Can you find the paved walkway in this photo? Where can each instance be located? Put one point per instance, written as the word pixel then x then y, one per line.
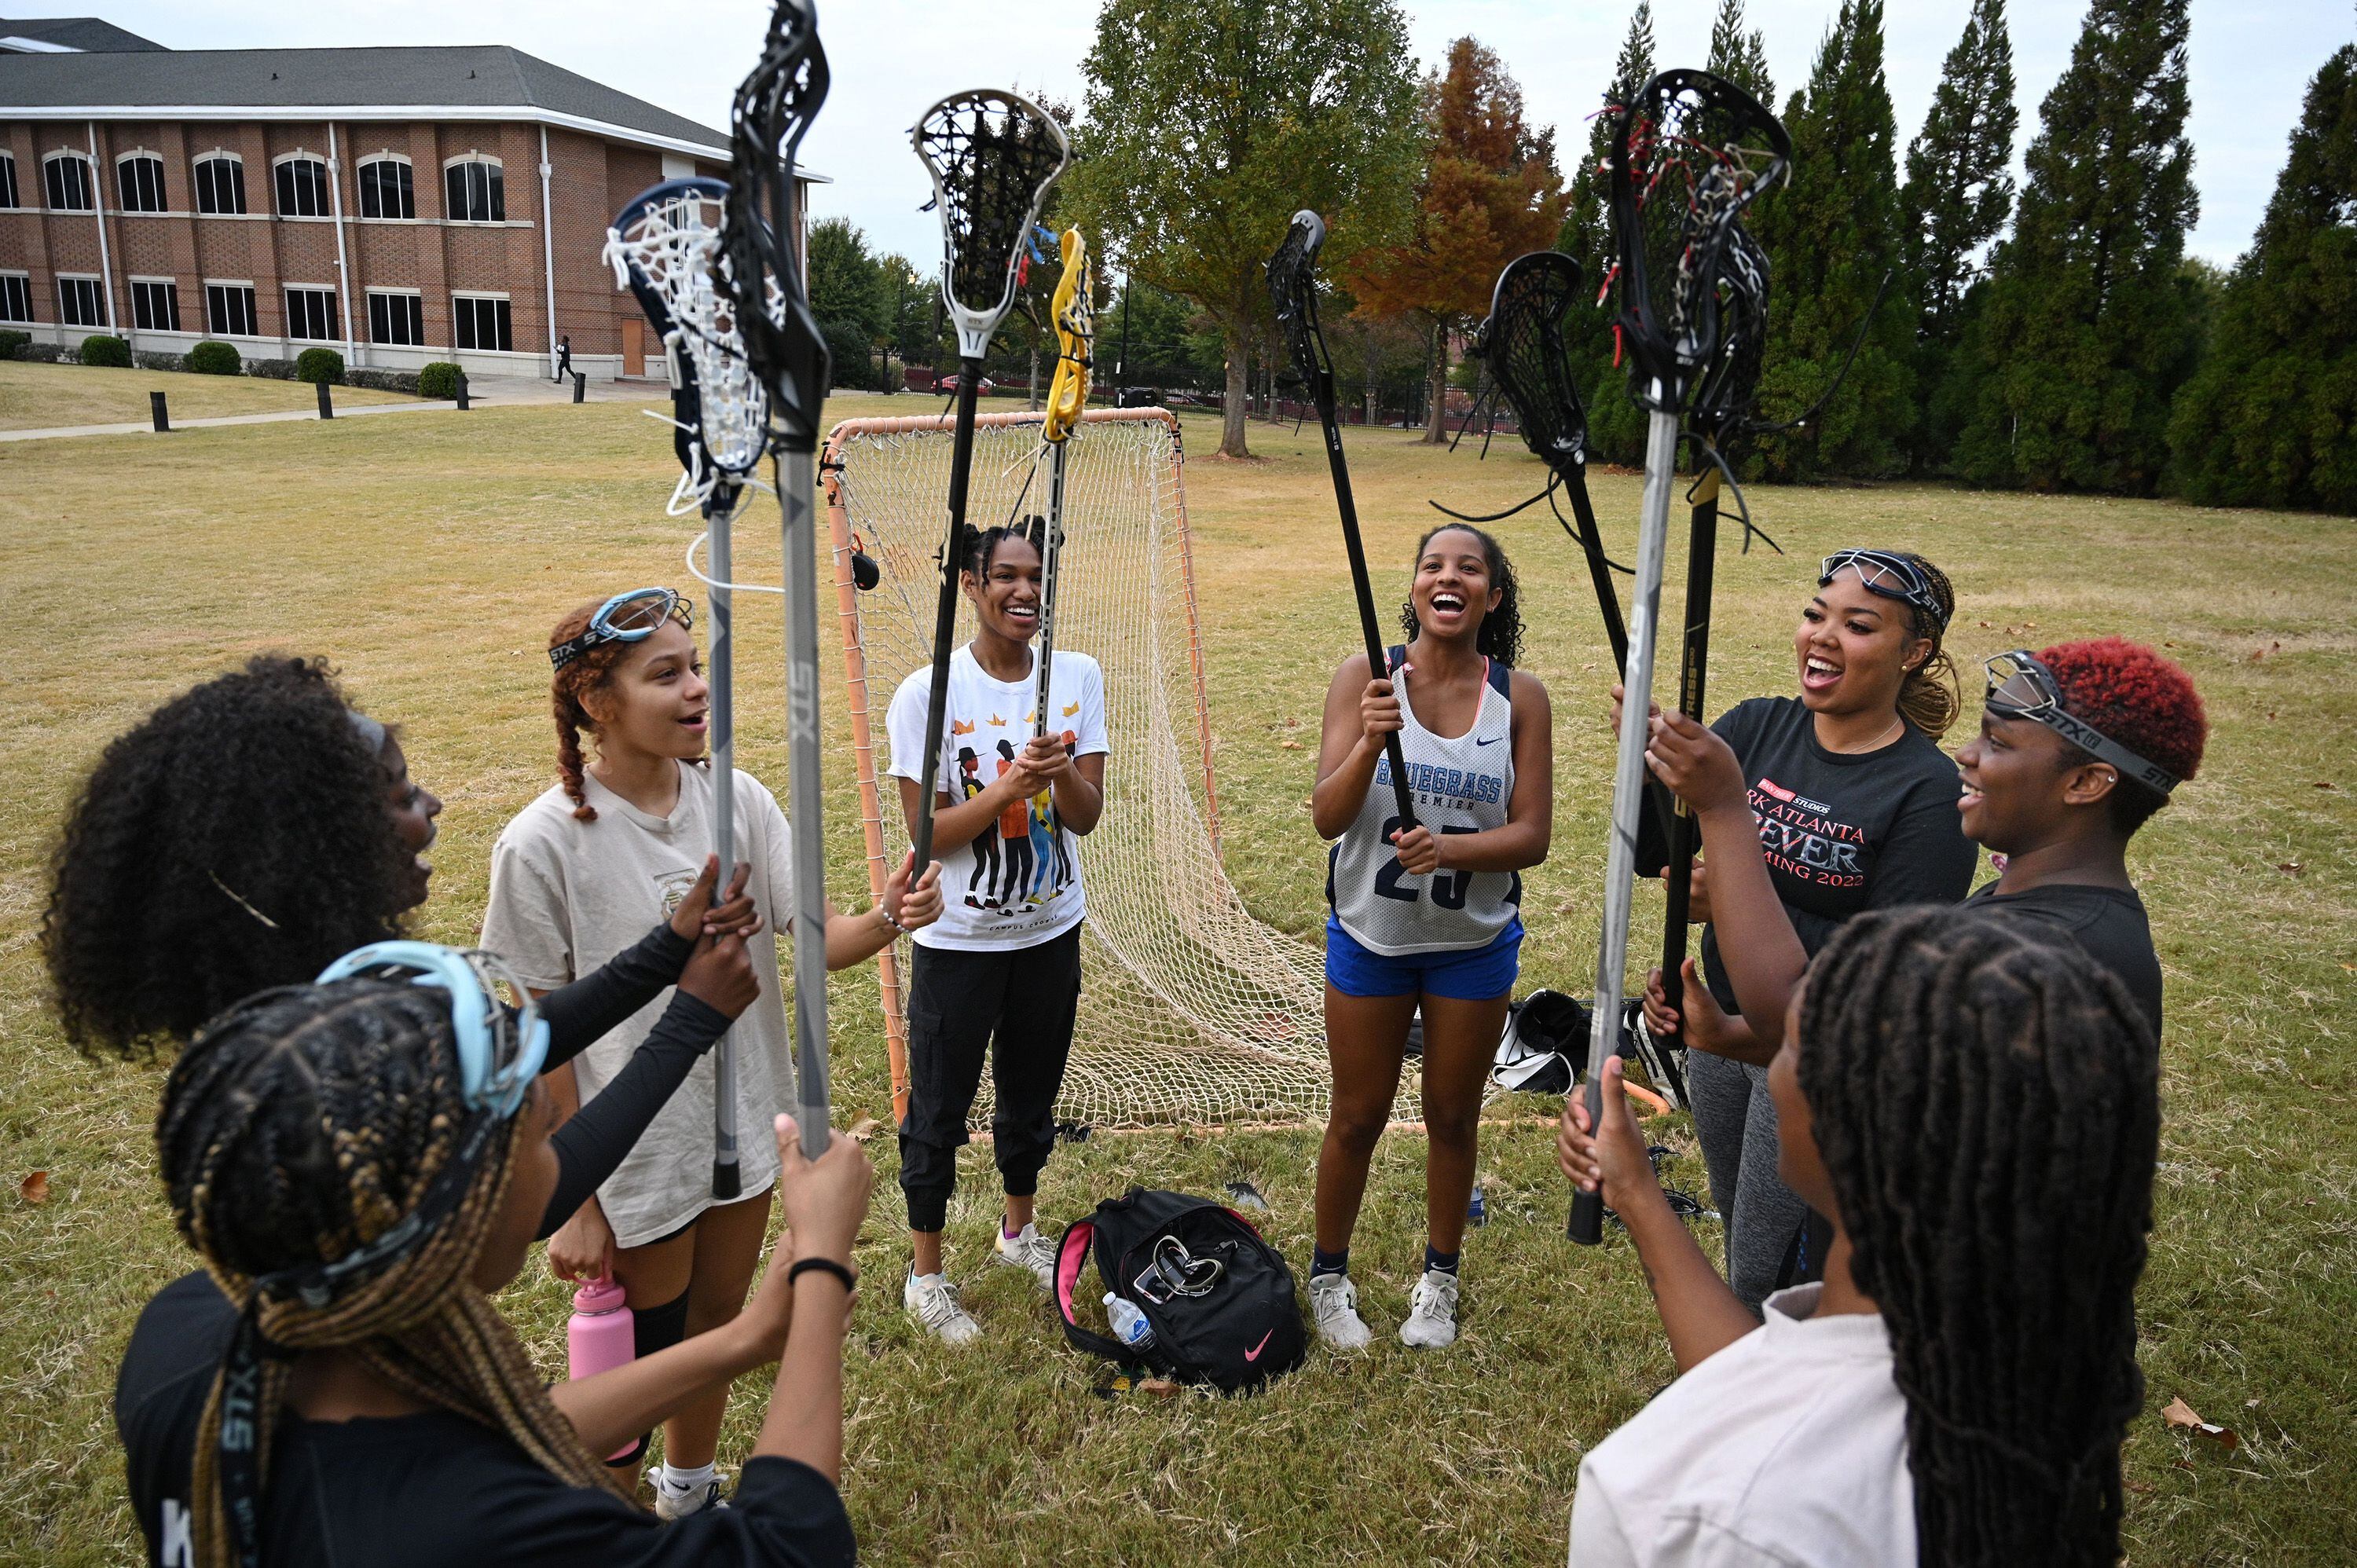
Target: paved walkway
pixel 482 392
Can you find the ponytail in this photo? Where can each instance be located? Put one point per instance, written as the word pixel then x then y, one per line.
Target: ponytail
pixel 1930 695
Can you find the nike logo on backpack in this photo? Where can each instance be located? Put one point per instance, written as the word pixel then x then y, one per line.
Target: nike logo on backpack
pixel 1491 741
pixel 1254 1353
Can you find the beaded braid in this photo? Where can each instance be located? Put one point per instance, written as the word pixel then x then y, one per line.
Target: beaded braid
pixel 568 700
pixel 1987 1110
pixel 303 1123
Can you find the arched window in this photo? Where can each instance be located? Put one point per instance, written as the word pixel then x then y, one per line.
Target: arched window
pixel 220 183
pixel 139 182
pixel 70 187
pixel 474 190
pixel 302 182
pixel 386 187
pixel 7 179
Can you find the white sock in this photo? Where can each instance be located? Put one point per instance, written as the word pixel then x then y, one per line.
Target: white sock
pixel 686 1483
pixel 938 1277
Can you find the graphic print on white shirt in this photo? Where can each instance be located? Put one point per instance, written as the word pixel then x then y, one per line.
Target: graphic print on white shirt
pixel 1018 883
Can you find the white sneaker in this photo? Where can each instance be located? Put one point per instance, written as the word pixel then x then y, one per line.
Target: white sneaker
pixel 671 1505
pixel 1431 1312
pixel 1028 1250
pixel 1334 1304
pixel 935 1301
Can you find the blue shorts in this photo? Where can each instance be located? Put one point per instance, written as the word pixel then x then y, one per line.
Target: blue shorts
pixel 1462 974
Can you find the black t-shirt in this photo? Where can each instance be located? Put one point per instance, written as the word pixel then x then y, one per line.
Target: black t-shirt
pixel 1843 832
pixel 2108 923
pixel 406 1491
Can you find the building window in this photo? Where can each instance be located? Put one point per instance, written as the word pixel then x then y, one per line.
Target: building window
pixel 16 296
pixel 7 179
pixel 302 186
pixel 155 304
pixel 386 191
pixel 81 302
pixel 396 318
pixel 310 313
pixel 220 183
pixel 229 310
pixel 139 183
pixel 70 189
pixel 475 191
pixel 482 322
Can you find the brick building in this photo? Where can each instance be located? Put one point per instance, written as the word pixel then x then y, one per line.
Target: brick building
pixel 400 205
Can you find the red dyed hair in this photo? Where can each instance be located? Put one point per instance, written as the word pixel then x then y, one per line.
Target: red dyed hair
pixel 2138 698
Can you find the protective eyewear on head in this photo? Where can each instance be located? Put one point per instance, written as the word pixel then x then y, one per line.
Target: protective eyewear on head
pixel 1891 576
pixel 626 617
pixel 2019 687
pixel 502 1040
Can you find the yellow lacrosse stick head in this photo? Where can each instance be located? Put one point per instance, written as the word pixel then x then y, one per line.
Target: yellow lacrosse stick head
pixel 1075 314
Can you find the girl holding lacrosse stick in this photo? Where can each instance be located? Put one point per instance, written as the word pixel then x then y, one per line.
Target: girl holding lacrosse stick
pixel 1428 916
pixel 610 847
pixel 1001 972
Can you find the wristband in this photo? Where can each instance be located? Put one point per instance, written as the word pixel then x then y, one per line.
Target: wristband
pixel 824 1266
pixel 884 915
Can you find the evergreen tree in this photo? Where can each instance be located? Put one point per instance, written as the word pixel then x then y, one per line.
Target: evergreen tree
pixel 2268 420
pixel 1616 427
pixel 1831 236
pixel 1738 57
pixel 2090 325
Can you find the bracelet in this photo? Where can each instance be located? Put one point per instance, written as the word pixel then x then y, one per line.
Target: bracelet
pixel 884 915
pixel 824 1266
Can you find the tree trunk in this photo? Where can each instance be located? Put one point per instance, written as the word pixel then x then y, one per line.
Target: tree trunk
pixel 1268 384
pixel 1435 413
pixel 1232 422
pixel 1371 378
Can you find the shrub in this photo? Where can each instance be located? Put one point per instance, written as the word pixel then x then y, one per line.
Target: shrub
pixel 12 344
pixel 212 358
pixel 147 361
pixel 384 381
pixel 319 365
pixel 45 353
pixel 438 380
pixel 105 349
pixel 275 370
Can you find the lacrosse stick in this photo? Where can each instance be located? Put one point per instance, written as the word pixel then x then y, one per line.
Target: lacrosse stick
pixel 783 346
pixel 1689 154
pixel 992 156
pixel 1293 289
pixel 1068 398
pixel 665 248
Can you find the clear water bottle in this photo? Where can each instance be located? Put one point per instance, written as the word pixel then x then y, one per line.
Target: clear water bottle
pixel 1129 1324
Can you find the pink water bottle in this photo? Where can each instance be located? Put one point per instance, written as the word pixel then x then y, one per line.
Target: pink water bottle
pixel 600 1336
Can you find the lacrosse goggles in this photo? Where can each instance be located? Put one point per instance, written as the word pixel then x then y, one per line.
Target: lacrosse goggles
pixel 2019 687
pixel 1889 575
pixel 626 617
pixel 1174 1271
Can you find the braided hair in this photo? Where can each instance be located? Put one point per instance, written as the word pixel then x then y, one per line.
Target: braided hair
pixel 977 545
pixel 1500 636
pixel 1929 695
pixel 590 670
pixel 1987 1110
pixel 303 1123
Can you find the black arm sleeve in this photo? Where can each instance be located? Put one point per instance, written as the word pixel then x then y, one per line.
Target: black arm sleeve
pixel 593 1140
pixel 585 1012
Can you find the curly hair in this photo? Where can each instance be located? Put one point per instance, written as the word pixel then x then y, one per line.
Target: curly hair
pixel 236 838
pixel 1987 1107
pixel 2143 701
pixel 1929 695
pixel 1500 636
pixel 590 670
pixel 305 1124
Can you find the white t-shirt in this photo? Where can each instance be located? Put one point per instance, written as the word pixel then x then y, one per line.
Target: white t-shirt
pixel 1789 1447
pixel 1003 890
pixel 566 896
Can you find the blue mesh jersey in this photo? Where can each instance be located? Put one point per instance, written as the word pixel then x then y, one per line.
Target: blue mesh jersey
pixel 1459 786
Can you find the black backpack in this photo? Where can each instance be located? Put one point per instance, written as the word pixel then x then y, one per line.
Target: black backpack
pixel 1220 1299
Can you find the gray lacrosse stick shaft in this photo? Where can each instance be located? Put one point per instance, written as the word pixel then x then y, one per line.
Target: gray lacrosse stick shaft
pixel 726 1182
pixel 1047 568
pixel 1627 785
pixel 796 471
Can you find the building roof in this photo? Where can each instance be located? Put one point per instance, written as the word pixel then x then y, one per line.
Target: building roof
pixel 68 35
pixel 470 82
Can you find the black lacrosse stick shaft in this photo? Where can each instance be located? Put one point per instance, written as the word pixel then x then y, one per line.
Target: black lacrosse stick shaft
pixel 1685 829
pixel 937 698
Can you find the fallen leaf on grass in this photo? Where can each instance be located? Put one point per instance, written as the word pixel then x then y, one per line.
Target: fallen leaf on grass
pixel 1160 1388
pixel 1290 745
pixel 35 1188
pixel 2259 653
pixel 2177 1413
pixel 2325 784
pixel 2289 868
pixel 863 1130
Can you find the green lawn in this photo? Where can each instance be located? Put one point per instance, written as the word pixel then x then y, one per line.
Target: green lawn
pixel 44 397
pixel 431 575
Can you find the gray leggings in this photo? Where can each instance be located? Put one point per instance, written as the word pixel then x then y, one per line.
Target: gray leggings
pixel 1735 1121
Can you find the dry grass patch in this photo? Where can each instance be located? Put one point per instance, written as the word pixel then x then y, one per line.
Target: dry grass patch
pixel 49 397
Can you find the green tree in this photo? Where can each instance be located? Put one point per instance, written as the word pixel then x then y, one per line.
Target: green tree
pixel 1738 57
pixel 1616 427
pixel 1491 192
pixel 2268 418
pixel 848 296
pixel 1831 237
pixel 1209 122
pixel 2090 325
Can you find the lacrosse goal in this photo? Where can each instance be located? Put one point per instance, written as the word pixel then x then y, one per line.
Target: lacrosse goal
pixel 1191 1010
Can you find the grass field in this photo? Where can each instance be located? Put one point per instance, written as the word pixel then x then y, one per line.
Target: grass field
pixel 44 397
pixel 431 574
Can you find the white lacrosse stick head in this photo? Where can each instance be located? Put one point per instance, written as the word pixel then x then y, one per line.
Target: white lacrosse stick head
pixel 992 156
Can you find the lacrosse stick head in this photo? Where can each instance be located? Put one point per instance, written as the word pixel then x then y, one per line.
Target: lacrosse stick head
pixel 992 156
pixel 1522 345
pixel 1730 379
pixel 664 246
pixel 1293 291
pixel 1075 315
pixel 1690 153
pixel 773 110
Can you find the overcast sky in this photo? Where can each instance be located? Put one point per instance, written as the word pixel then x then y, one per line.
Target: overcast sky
pixel 2250 63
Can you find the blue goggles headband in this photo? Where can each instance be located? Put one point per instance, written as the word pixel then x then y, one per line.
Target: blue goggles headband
pixel 626 617
pixel 1889 575
pixel 2019 687
pixel 500 1046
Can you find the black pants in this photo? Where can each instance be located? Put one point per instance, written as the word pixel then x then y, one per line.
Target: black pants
pixel 1019 1005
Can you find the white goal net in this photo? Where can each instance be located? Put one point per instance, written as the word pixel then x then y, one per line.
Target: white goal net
pixel 1191 1010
